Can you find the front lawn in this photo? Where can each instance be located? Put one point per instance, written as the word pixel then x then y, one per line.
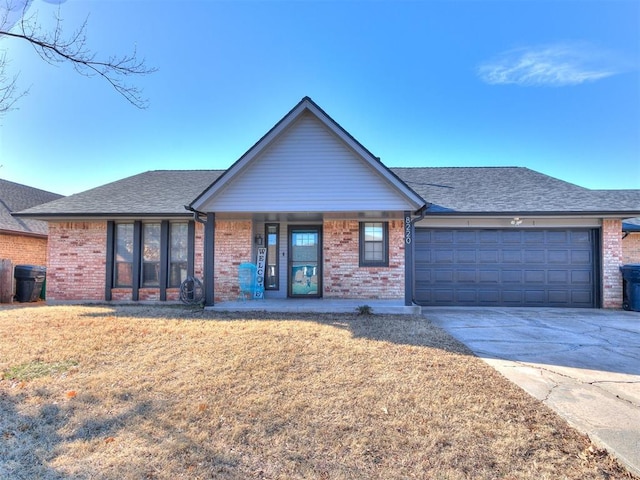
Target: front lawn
pixel 167 392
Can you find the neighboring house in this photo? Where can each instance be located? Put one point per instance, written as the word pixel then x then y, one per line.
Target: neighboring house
pixel 337 223
pixel 631 241
pixel 22 240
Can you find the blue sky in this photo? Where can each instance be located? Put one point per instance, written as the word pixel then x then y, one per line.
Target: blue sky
pixel 549 85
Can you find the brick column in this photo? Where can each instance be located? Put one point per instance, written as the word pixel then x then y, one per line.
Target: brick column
pixel 611 261
pixel 233 245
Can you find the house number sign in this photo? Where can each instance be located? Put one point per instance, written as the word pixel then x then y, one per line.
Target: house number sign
pixel 407 230
pixel 260 264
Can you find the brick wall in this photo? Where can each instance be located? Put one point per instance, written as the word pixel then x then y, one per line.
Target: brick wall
pixel 612 258
pixel 344 278
pixel 77 257
pixel 234 241
pixel 631 248
pixel 23 250
pixel 198 266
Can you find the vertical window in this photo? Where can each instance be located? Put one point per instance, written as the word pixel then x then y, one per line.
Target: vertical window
pixel 124 255
pixel 150 255
pixel 374 244
pixel 178 253
pixel 271 281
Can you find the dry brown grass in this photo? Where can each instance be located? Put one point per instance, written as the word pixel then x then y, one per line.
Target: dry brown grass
pixel 159 392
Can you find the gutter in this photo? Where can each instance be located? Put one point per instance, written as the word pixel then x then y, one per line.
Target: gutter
pixel 197 215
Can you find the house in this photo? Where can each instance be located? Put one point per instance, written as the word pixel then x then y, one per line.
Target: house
pixel 22 240
pixel 337 223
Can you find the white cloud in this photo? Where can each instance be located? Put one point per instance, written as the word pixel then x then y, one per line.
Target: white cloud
pixel 551 65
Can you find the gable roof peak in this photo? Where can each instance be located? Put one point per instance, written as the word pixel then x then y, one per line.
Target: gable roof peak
pixel 277 131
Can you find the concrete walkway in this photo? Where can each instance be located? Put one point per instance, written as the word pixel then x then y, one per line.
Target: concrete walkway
pixel 584 364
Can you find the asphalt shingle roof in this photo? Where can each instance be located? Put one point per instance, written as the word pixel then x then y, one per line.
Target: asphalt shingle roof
pixel 448 190
pixel 158 192
pixel 15 197
pixel 476 190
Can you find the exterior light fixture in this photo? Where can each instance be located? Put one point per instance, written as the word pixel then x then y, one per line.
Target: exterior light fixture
pixel 516 221
pixel 258 239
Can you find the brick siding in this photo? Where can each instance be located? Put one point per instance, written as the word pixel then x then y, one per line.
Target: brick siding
pixel 77 258
pixel 23 250
pixel 612 258
pixel 233 246
pixel 344 278
pixel 198 266
pixel 631 248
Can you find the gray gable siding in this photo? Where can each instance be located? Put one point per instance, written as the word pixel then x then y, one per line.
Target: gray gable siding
pixel 307 169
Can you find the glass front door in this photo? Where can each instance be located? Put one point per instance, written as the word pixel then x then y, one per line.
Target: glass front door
pixel 305 262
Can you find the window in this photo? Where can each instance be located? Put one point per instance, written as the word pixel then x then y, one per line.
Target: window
pixel 374 244
pixel 158 254
pixel 271 281
pixel 124 255
pixel 150 255
pixel 178 253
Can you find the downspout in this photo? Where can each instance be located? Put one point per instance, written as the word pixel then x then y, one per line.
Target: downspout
pixel 410 222
pixel 209 252
pixel 422 212
pixel 196 214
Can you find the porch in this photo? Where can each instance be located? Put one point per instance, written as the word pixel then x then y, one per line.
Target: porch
pixel 315 305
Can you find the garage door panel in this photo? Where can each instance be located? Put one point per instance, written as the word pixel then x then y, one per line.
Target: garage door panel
pixel 488 256
pixel 442 256
pixel 488 296
pixel 466 256
pixel 560 297
pixel 467 296
pixel 466 276
pixel 512 296
pixel 558 256
pixel 558 276
pixel 581 277
pixel 581 297
pixel 511 256
pixel 533 237
pixel 557 237
pixel 488 236
pixel 444 276
pixel 581 257
pixel 511 276
pixel 489 276
pixel 534 276
pixel 511 267
pixel 442 236
pixel 534 256
pixel 466 237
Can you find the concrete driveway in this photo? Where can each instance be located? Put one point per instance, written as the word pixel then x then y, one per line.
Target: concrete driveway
pixel 584 364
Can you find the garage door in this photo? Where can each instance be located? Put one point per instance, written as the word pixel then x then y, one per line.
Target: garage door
pixel 487 267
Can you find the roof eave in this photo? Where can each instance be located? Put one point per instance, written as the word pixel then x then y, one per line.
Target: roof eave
pixel 102 215
pixel 516 213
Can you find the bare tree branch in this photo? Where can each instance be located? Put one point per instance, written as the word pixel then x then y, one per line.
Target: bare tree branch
pixel 55 48
pixel 9 93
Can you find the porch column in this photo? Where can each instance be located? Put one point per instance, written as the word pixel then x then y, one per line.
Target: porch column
pixel 209 258
pixel 408 259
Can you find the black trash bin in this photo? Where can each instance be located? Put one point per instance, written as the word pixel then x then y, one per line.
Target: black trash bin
pixel 631 277
pixel 29 281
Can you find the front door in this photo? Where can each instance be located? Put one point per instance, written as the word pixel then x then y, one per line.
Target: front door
pixel 305 261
